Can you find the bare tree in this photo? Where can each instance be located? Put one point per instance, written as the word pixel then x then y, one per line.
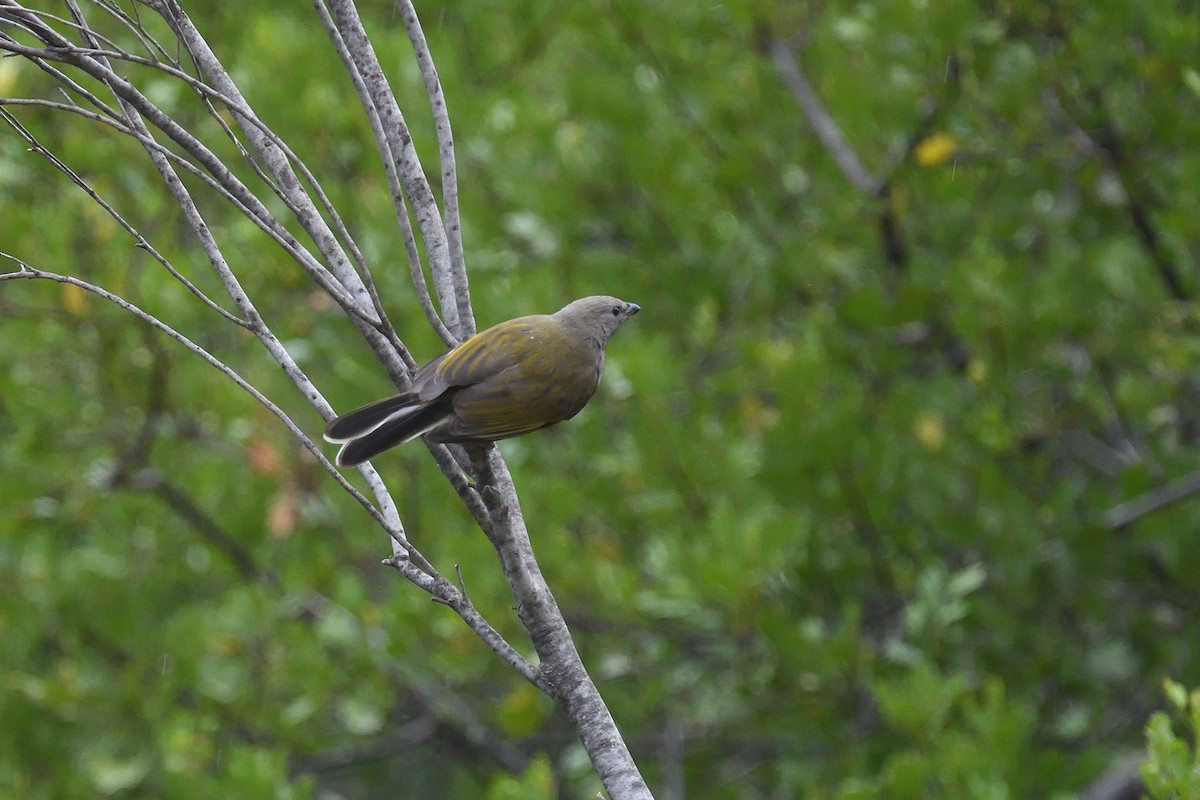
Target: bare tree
pixel 156 39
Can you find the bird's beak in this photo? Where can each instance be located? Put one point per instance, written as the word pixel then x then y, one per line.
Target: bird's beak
pixel 631 309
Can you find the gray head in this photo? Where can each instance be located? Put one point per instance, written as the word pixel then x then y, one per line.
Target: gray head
pixel 599 316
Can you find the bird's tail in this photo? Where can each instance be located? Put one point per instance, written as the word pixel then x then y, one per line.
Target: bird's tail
pixel 366 432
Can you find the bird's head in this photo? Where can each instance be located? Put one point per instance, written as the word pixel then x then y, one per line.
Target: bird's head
pixel 598 316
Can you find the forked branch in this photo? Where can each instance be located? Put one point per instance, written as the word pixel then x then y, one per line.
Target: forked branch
pixel 78 56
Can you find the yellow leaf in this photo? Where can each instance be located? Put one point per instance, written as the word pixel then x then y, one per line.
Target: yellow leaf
pixel 1151 67
pixel 930 430
pixel 74 299
pixel 371 616
pixel 9 68
pixel 935 150
pixel 227 644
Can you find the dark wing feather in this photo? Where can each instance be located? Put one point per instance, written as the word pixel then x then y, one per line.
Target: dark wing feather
pixel 391 433
pixel 362 421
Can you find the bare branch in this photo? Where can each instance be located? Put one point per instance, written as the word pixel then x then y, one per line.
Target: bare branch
pixel 281 164
pixel 450 595
pixel 399 148
pixel 245 199
pixel 411 563
pixel 257 324
pixel 393 176
pixel 1119 516
pixel 820 120
pixel 561 669
pixel 1121 781
pixel 207 95
pixel 229 186
pixel 76 179
pixel 445 137
pixel 27 272
pixel 134 25
pixel 341 270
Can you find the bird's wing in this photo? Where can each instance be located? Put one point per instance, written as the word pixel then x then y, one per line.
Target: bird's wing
pixel 503 405
pixel 483 356
pixel 514 402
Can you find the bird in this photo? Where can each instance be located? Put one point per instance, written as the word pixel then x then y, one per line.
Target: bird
pixel 516 377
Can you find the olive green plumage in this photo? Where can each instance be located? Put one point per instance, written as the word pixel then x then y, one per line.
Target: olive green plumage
pixel 513 378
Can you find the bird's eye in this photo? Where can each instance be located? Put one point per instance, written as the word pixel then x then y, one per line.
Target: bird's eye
pixel 616 311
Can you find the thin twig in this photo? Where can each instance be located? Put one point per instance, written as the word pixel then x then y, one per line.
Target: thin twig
pixel 134 25
pixel 492 496
pixel 242 199
pixel 1119 516
pixel 95 196
pixel 60 50
pixel 27 272
pixel 258 213
pixel 445 137
pixel 207 94
pixel 400 148
pixel 393 176
pixel 820 120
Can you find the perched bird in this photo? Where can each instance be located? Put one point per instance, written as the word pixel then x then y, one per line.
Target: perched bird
pixel 513 378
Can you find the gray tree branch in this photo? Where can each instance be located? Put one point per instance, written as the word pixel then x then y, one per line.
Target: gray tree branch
pixel 819 119
pixel 73 53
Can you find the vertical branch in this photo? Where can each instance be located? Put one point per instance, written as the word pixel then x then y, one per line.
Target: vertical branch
pixel 1101 139
pixel 492 499
pixel 1109 142
pixel 395 186
pixel 561 668
pixel 445 137
pixel 819 119
pixel 895 249
pixel 265 148
pixel 401 150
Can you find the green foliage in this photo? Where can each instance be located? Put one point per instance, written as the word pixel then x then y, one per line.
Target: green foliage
pixel 536 783
pixel 834 525
pixel 1172 768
